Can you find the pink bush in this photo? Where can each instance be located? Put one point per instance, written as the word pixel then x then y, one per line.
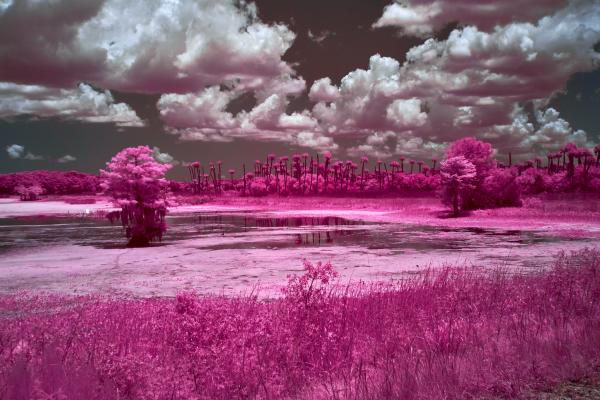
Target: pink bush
pixel 533 181
pixel 454 333
pixel 258 187
pixel 29 193
pixel 52 182
pixel 500 188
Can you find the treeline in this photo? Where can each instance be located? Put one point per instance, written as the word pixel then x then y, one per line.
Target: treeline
pixel 48 182
pixel 570 169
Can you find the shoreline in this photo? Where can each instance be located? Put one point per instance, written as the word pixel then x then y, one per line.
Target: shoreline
pixel 564 216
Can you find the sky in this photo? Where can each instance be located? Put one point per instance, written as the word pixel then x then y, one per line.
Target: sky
pixel 235 80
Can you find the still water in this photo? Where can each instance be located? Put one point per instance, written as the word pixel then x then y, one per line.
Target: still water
pixel 225 252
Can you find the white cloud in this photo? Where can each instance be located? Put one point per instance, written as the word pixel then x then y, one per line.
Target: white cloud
pixel 17 151
pixel 377 144
pixel 406 113
pixel 151 47
pixel 202 116
pixel 469 84
pixel 82 104
pixel 392 144
pixel 154 46
pixel 414 20
pixel 161 157
pixel 67 158
pixel 204 109
pixel 523 139
pixel 315 141
pixel 323 90
pixel 424 17
pixel 320 36
pixel 33 157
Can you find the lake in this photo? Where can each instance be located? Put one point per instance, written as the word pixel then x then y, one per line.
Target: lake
pixel 231 252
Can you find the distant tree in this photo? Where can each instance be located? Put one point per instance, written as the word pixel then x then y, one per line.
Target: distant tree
pixel 480 155
pixel 29 193
pixel 135 181
pixel 458 176
pixel 477 152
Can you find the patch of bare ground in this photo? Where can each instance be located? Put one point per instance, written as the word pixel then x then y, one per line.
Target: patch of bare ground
pixel 583 389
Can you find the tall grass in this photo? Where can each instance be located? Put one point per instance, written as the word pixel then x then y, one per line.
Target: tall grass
pixel 450 334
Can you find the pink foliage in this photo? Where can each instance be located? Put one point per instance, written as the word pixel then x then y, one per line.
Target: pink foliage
pixel 458 180
pixel 29 193
pixel 311 287
pixel 135 181
pixel 52 182
pixel 480 155
pixel 455 333
pixel 477 152
pixel 500 188
pixel 332 177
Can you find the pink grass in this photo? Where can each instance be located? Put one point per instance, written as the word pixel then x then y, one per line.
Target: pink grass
pixel 455 333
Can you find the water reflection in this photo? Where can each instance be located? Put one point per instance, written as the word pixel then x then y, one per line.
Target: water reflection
pixel 210 252
pixel 218 231
pixel 273 222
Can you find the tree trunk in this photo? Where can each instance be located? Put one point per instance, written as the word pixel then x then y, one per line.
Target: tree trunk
pixel 138 240
pixel 455 208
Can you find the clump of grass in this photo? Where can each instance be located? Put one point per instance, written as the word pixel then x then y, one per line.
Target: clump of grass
pixel 449 334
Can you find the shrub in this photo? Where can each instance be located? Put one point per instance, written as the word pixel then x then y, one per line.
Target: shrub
pixel 455 333
pixel 500 188
pixel 29 193
pixel 52 182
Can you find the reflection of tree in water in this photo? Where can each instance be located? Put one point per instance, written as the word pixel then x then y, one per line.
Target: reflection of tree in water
pixel 230 223
pixel 319 237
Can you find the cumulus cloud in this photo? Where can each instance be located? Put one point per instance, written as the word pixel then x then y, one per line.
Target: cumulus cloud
pixel 406 113
pixel 161 157
pixel 394 145
pixel 67 158
pixel 377 144
pixel 424 17
pixel 315 141
pixel 411 146
pixel 323 90
pixel 17 151
pixel 364 96
pixel 204 109
pixel 31 156
pixel 417 20
pixel 82 104
pixel 470 84
pixel 203 116
pixel 152 46
pixel 546 133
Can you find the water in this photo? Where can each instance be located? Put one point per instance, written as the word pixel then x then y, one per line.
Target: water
pixel 261 231
pixel 221 252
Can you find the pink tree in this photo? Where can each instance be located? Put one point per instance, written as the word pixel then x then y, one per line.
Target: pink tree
pixel 458 177
pixel 477 152
pixel 135 181
pixel 480 155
